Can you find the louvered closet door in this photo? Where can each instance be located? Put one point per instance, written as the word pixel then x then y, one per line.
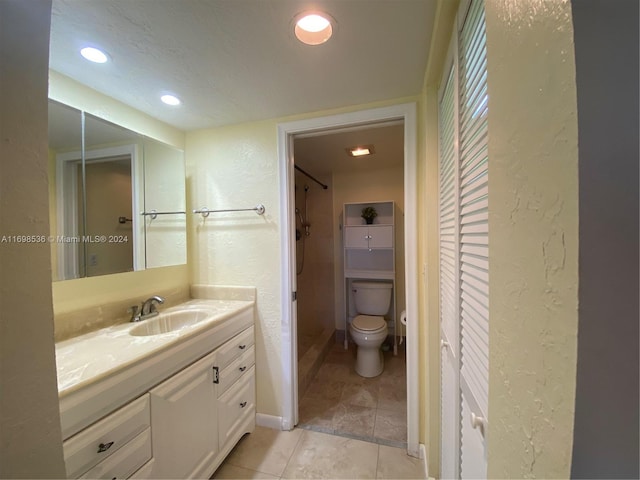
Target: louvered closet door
pixel 449 293
pixel 474 242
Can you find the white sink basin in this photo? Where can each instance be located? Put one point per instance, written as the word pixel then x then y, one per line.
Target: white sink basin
pixel 170 322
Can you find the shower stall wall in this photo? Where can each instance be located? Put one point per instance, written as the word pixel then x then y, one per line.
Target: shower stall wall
pixel 315 279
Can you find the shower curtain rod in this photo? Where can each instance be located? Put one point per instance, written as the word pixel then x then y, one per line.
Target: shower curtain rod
pixel 311 177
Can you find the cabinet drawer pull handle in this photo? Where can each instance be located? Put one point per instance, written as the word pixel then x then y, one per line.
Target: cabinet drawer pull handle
pixel 242 347
pixel 243 404
pixel 103 447
pixel 242 369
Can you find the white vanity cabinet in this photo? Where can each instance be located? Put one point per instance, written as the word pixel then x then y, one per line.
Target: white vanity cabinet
pixel 114 447
pixel 184 420
pixel 194 424
pixel 178 425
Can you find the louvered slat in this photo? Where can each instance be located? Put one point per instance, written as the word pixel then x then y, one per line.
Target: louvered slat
pixel 448 213
pixel 474 210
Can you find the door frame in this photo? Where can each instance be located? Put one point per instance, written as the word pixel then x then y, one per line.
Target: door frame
pixel 67 204
pixel 407 112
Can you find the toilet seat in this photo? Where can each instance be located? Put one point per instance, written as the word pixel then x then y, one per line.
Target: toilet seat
pixel 369 324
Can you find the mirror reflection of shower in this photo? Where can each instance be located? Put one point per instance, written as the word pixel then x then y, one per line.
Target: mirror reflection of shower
pixel 302 220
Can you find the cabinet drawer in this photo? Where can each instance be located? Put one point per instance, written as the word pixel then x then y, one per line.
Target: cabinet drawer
pixel 235 347
pixel 123 463
pixel 235 404
pixel 101 440
pixel 235 370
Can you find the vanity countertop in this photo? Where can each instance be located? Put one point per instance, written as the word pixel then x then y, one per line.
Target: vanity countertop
pixel 91 357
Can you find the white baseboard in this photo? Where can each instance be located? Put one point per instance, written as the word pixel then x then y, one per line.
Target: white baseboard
pixel 269 421
pixel 423 456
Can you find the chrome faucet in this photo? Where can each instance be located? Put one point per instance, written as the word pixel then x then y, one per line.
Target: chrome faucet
pixel 147 310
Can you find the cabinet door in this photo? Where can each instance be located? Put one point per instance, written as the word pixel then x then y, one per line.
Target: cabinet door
pixel 184 423
pixel 381 236
pixel 356 236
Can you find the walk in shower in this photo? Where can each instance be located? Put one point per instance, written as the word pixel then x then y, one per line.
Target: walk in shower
pixel 315 273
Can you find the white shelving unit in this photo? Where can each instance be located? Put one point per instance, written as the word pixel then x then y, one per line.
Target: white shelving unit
pixel 369 254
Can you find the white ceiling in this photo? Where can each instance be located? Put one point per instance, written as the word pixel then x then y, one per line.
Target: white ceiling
pixel 233 61
pixel 324 154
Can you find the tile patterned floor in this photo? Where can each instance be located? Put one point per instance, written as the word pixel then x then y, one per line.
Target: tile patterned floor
pixel 273 454
pixel 339 401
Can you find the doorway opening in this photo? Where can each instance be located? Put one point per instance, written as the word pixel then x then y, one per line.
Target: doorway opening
pixel 292 138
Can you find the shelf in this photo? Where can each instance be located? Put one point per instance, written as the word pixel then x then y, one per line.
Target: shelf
pixel 369 254
pixel 352 212
pixel 372 274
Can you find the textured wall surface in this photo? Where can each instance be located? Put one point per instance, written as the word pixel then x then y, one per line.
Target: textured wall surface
pixel 164 191
pixel 605 440
pixel 30 436
pixel 237 167
pixel 533 232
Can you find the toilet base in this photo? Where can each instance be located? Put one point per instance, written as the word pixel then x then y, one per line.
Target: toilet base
pixel 369 362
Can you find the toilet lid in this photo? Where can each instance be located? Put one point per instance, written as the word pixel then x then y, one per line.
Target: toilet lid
pixel 368 323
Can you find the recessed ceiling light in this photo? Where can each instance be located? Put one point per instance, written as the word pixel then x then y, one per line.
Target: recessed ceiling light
pixel 361 151
pixel 94 55
pixel 170 100
pixel 313 28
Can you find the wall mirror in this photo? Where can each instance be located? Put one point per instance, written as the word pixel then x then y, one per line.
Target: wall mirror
pixel 117 197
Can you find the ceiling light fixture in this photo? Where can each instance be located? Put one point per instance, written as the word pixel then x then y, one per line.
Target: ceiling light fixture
pixel 170 100
pixel 361 151
pixel 313 28
pixel 94 55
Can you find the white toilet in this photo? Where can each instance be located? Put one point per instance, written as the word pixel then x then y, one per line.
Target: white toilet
pixel 369 328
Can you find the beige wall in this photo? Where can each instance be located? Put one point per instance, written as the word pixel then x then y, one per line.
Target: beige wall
pixel 374 185
pixel 533 248
pixel 315 284
pixel 237 167
pixel 533 225
pixel 30 435
pixel 164 190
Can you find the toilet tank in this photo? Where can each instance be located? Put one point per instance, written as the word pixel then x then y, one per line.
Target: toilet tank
pixel 372 298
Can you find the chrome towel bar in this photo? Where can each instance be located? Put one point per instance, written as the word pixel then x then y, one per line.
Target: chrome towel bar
pixel 154 214
pixel 204 211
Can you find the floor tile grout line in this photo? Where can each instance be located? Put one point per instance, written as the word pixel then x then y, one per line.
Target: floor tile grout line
pixel 293 450
pixel 369 439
